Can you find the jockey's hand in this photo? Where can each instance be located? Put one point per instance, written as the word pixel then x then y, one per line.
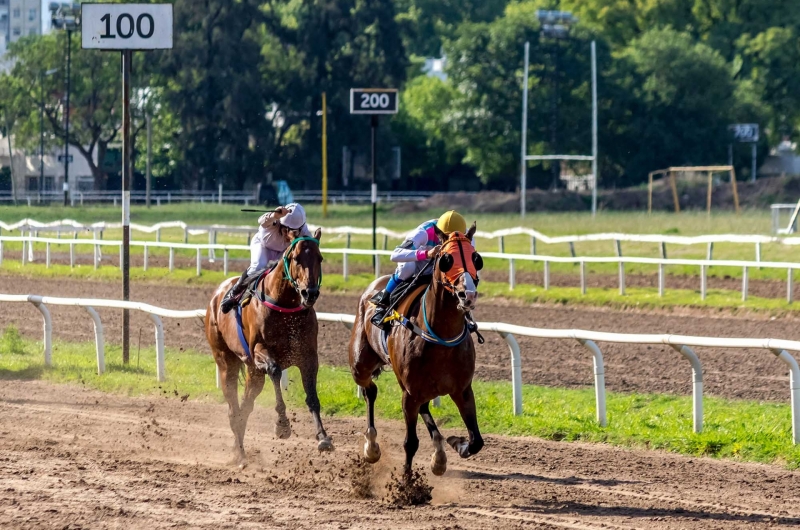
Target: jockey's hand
pixel 280 211
pixel 434 251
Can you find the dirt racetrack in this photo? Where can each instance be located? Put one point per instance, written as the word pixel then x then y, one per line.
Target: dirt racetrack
pixel 752 374
pixel 89 460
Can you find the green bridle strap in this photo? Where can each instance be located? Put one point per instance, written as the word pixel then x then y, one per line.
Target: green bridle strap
pixel 288 252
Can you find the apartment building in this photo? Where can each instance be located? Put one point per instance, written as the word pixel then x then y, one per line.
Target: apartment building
pixel 24 18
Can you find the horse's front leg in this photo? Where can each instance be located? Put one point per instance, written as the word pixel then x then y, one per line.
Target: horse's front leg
pixel 439 457
pixel 265 363
pixel 254 384
pixel 411 443
pixel 229 365
pixel 308 373
pixel 465 401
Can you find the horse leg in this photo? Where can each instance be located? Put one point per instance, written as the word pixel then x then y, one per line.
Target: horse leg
pixel 308 373
pixel 229 367
pixel 372 451
pixel 439 457
pixel 411 443
pixel 465 401
pixel 283 428
pixel 254 384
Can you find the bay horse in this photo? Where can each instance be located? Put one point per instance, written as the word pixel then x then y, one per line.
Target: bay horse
pixel 425 364
pixel 279 327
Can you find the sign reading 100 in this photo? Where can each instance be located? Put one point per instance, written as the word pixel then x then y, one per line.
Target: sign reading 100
pixel 126 26
pixel 373 101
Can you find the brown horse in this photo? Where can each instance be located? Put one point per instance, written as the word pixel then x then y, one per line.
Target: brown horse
pixel 280 328
pixel 436 359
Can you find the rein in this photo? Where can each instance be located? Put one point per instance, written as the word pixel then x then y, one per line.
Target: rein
pixel 269 302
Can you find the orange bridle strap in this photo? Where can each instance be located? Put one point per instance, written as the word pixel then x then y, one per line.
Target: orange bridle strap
pixel 460 248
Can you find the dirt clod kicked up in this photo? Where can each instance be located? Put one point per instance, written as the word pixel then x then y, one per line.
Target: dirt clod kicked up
pixel 409 489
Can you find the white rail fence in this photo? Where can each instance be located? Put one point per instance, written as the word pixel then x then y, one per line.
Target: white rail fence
pixel 621 261
pixel 588 339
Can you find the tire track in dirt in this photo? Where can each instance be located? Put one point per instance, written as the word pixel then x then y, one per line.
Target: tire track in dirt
pixel 73 457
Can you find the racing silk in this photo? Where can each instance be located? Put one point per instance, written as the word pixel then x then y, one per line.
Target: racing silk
pixel 418 243
pixel 270 238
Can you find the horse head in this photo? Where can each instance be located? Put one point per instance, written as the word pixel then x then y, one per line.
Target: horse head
pixel 302 264
pixel 457 266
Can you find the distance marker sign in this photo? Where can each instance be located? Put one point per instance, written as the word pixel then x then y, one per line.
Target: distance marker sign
pixel 373 101
pixel 126 26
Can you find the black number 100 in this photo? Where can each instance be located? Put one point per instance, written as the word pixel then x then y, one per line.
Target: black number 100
pixel 125 29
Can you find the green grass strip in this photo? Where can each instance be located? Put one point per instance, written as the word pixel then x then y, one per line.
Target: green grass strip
pixel 736 429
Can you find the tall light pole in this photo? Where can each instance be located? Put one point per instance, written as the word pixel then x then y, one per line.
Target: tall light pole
pixel 66 17
pixel 42 75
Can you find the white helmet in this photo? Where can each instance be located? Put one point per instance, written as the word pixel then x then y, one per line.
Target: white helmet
pixel 296 217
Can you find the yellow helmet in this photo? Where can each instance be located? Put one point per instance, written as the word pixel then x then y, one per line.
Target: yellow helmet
pixel 451 222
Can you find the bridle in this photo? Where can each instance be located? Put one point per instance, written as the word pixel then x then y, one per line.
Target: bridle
pixel 271 303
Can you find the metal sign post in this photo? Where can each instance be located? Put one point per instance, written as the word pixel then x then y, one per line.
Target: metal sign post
pixel 373 101
pixel 126 27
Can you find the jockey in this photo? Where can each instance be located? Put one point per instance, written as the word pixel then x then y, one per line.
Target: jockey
pixel 268 245
pixel 413 255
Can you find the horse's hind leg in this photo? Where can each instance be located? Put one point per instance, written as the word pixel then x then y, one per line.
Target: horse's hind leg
pixel 283 428
pixel 411 443
pixel 372 451
pixel 465 401
pixel 229 366
pixel 308 373
pixel 439 457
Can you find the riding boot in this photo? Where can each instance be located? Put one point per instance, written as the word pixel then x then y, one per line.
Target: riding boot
pixel 232 298
pixel 381 301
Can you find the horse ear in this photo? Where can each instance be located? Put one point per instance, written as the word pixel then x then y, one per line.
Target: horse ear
pixel 291 235
pixel 471 232
pixel 441 235
pixel 477 260
pixel 318 234
pixel 446 262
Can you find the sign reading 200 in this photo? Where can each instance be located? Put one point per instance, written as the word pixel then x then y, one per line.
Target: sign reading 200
pixel 125 26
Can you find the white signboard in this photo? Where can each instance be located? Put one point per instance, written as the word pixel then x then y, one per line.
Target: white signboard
pixel 126 26
pixel 744 132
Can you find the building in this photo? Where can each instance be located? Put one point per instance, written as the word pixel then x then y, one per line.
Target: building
pixel 25 18
pixel 26 170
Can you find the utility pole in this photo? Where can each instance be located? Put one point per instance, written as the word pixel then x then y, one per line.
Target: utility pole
pixel 149 120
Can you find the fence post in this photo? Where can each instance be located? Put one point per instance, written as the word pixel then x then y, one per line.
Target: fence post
pixel 146 257
pixel 661 280
pixel 171 259
pixel 618 248
pixel 344 266
pixel 501 244
pixel 621 278
pixel 160 370
pixel 47 255
pixel 377 266
pixel 199 261
pixel 158 235
pixel 512 274
pixel 533 246
pixel 225 262
pixel 583 277
pixel 599 380
pixel 185 234
pixel 572 248
pixel 516 371
pixel 98 340
pixel 710 251
pixel 703 281
pixel 546 275
pixel 385 241
pixel 285 380
pixel 697 385
pixel 794 388
pixel 663 250
pixel 789 283
pixel 744 284
pixel 71 255
pixel 758 253
pixel 1 253
pixel 348 241
pixel 95 258
pixel 48 330
pixel 24 253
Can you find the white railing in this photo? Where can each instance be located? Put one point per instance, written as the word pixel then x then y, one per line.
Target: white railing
pixel 588 339
pixel 513 259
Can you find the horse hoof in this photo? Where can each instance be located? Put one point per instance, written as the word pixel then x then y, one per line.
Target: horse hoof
pixel 372 451
pixel 283 430
pixel 324 445
pixel 460 444
pixel 438 463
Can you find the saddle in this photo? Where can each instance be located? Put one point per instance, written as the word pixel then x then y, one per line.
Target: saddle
pixel 251 283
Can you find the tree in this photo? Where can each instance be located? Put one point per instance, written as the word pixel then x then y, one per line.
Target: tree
pixel 95 97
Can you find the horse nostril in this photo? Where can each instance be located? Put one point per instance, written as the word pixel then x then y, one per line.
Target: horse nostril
pixel 462 295
pixel 304 293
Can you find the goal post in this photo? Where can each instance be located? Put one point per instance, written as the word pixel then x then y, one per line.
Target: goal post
pixel 671 172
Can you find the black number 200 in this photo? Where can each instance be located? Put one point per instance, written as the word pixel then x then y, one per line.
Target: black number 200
pixel 144 26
